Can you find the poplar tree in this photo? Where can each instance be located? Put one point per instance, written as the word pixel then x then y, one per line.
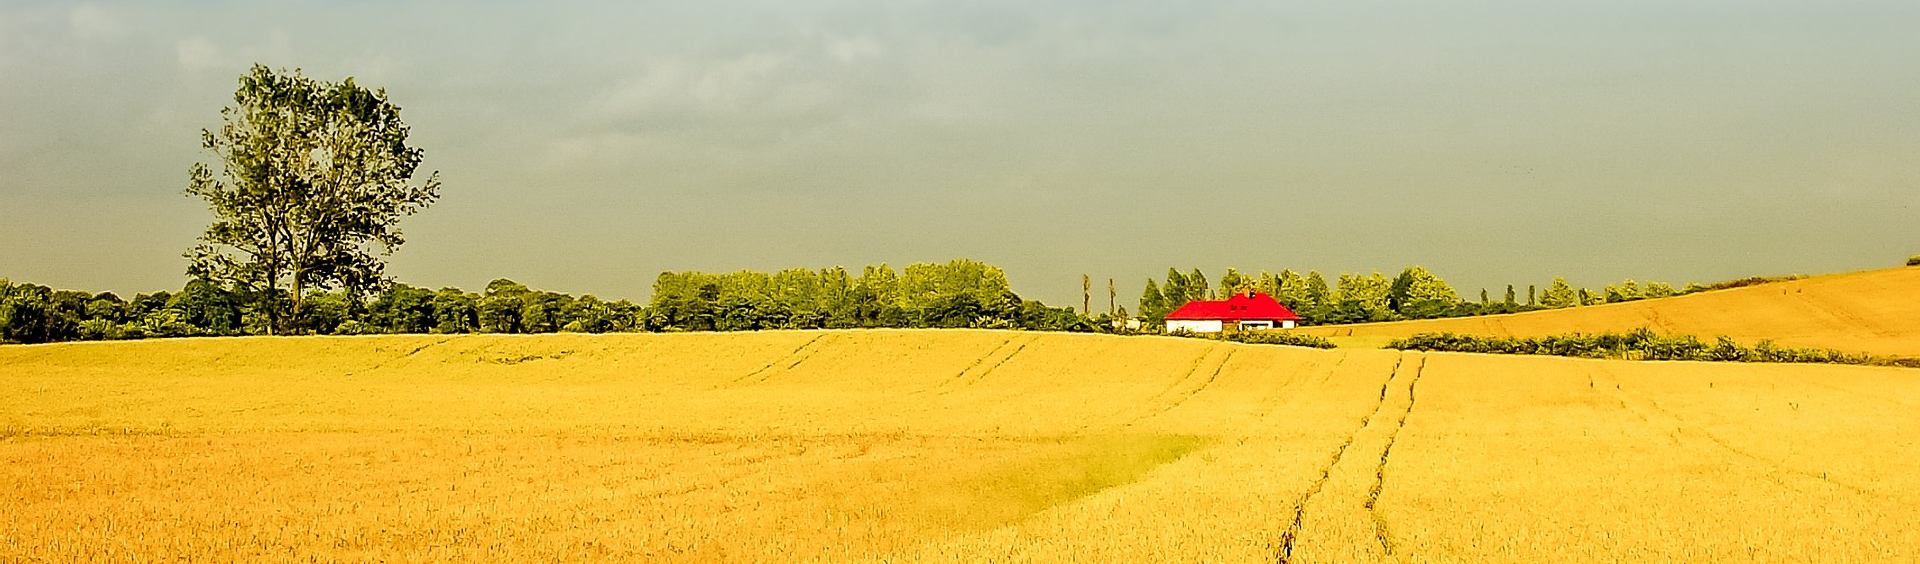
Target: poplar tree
pixel 1152 304
pixel 1197 289
pixel 1174 293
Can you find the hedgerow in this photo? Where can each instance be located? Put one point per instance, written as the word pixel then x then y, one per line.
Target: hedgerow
pixel 1263 338
pixel 1640 344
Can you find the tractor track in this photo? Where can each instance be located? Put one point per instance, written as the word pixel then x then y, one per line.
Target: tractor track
pixel 1380 530
pixel 764 372
pixel 1289 538
pixel 982 375
pixel 1222 367
pixel 962 374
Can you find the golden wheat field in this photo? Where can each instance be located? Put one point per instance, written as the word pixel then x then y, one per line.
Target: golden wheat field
pixel 938 446
pixel 1874 312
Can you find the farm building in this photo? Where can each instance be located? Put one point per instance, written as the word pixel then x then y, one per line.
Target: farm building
pixel 1251 310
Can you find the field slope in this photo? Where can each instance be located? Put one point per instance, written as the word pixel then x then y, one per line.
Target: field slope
pixel 937 446
pixel 1873 312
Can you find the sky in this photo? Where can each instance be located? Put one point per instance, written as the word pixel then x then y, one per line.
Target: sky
pixel 587 146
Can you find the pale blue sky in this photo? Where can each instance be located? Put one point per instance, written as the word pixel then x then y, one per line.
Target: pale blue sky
pixel 587 146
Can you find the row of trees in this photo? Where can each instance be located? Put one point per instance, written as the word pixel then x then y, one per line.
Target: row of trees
pixel 962 293
pixel 1415 293
pixel 32 313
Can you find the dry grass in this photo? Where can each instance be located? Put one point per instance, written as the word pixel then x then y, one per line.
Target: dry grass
pixel 937 446
pixel 1874 312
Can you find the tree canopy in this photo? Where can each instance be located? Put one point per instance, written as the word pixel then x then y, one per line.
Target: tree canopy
pixel 313 178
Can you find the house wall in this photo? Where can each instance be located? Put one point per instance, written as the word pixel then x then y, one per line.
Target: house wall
pixel 1194 325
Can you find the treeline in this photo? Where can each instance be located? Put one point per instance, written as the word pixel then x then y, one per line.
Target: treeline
pixel 1414 294
pixel 1640 344
pixel 962 293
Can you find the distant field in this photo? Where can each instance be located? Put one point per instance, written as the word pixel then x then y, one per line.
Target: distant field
pixel 938 446
pixel 1873 312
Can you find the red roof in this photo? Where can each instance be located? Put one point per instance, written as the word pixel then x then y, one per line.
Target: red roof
pixel 1252 305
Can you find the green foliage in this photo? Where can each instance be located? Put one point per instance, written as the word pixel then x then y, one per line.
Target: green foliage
pixel 1197 289
pixel 1640 344
pixel 961 293
pixel 1913 260
pixel 1175 293
pixel 1560 295
pixel 1273 337
pixel 1416 285
pixel 1233 282
pixel 1153 304
pixel 313 177
pixel 1361 299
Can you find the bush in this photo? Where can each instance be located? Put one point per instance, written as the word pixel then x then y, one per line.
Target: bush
pixel 1269 337
pixel 1639 344
pixel 1913 260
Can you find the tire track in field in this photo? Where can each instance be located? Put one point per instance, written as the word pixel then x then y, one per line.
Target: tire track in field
pixel 1198 364
pixel 765 372
pixel 1275 397
pixel 1681 427
pixel 962 374
pixel 1222 367
pixel 1198 361
pixel 1380 530
pixel 1289 538
pixel 983 373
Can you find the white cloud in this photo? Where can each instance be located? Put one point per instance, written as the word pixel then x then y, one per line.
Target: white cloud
pixel 95 23
pixel 198 53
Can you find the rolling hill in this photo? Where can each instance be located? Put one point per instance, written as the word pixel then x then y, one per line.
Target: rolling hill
pixel 1873 312
pixel 937 446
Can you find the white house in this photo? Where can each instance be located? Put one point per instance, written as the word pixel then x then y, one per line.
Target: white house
pixel 1252 310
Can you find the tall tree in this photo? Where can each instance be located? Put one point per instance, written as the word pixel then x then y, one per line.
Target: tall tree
pixel 1318 295
pixel 1231 282
pixel 314 176
pixel 1113 298
pixel 1561 294
pixel 1291 290
pixel 1175 291
pixel 1153 304
pixel 1197 289
pixel 1086 294
pixel 1417 286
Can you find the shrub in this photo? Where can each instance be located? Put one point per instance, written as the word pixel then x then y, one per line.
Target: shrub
pixel 1639 344
pixel 1269 337
pixel 1913 260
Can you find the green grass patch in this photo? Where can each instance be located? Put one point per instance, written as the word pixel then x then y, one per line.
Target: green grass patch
pixel 1074 468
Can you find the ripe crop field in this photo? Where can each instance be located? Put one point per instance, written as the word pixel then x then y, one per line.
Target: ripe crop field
pixel 938 446
pixel 1874 312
